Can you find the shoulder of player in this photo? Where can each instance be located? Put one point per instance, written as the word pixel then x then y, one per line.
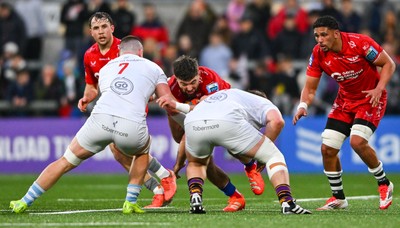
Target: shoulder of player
pixel 205 71
pixel 208 74
pixel 358 42
pixel 94 49
pixel 172 82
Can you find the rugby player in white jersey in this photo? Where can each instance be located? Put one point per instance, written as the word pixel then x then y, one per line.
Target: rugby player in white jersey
pixel 233 118
pixel 126 84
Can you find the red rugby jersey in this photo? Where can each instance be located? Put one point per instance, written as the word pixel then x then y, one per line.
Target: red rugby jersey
pixel 210 82
pixel 352 67
pixel 93 60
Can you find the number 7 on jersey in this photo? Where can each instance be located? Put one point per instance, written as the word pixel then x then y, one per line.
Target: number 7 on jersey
pixel 124 66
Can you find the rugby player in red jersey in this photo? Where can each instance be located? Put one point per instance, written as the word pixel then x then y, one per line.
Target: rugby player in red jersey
pixel 189 84
pixel 352 60
pixel 98 55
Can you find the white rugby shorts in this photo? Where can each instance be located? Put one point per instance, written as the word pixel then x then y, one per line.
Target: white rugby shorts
pixel 100 130
pixel 237 137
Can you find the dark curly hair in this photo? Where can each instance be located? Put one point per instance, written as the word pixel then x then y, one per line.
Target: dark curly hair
pixel 326 21
pixel 185 68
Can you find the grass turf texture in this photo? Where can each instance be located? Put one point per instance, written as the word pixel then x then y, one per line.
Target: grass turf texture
pixel 96 201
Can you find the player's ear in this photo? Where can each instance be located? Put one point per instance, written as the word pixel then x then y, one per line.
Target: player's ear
pixel 140 53
pixel 336 33
pixel 112 28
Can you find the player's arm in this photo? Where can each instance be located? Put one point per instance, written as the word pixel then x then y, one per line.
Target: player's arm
pixel 89 95
pixel 274 124
pixel 170 104
pixel 180 158
pixel 388 67
pixel 307 97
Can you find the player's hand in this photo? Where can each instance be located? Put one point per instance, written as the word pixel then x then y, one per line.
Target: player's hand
pixel 166 102
pixel 374 95
pixel 177 168
pixel 300 113
pixel 83 103
pixel 152 98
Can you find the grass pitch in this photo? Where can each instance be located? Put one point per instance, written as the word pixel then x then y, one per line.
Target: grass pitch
pixel 96 201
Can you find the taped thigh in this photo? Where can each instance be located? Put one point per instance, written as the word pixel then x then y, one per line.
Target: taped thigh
pixel 268 153
pixel 71 157
pixel 362 131
pixel 333 138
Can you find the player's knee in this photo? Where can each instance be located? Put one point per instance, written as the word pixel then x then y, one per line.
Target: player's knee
pixel 72 158
pixel 327 151
pixel 332 138
pixel 358 143
pixel 276 164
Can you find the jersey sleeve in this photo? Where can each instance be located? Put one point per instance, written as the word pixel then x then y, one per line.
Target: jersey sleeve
pixel 162 78
pixel 313 67
pixel 89 75
pixel 171 80
pixel 370 48
pixel 217 82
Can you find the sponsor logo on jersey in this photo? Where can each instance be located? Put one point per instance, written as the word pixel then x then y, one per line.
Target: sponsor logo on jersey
pixel 353 59
pixel 366 46
pixel 122 86
pixel 213 87
pixel 205 128
pixel 371 54
pixel 216 97
pixel 328 63
pixel 92 63
pixel 345 75
pixel 352 44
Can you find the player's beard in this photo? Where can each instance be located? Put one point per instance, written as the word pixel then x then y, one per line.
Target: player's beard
pixel 191 96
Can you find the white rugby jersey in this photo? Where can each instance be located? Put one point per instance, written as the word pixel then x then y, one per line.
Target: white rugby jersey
pixel 232 105
pixel 126 84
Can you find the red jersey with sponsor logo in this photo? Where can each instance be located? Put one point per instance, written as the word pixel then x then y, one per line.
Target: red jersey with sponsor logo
pixel 352 67
pixel 93 60
pixel 210 82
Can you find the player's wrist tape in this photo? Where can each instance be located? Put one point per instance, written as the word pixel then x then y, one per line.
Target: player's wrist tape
pixel 185 108
pixel 302 105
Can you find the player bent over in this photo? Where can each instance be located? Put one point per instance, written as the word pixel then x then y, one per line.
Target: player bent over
pixel 189 83
pixel 232 118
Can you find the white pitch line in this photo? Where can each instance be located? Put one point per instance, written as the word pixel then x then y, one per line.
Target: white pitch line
pixel 141 199
pixel 89 211
pixel 87 224
pixel 208 199
pixel 86 200
pixel 348 197
pixel 74 212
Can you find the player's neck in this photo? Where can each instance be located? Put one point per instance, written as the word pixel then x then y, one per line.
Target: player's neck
pixel 337 47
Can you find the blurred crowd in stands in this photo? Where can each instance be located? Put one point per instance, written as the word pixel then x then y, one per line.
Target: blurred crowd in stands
pixel 253 44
